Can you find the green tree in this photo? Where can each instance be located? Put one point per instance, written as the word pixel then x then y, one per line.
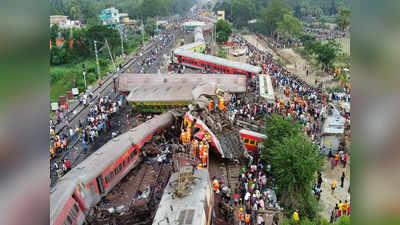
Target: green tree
pixel 309 42
pixel 290 26
pixel 58 56
pixel 279 127
pixel 274 13
pixel 54 32
pixel 326 53
pixel 343 19
pixel 294 162
pixel 150 26
pixel 242 12
pixel 224 30
pixel 100 33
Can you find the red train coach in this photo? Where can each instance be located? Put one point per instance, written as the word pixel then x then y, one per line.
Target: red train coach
pixel 88 182
pixel 208 62
pixel 183 56
pixel 251 139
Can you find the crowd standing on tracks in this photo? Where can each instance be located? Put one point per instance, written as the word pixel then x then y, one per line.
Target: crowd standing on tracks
pixel 98 122
pixel 297 99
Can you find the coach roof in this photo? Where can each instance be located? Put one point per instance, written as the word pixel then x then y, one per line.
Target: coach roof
pixel 217 60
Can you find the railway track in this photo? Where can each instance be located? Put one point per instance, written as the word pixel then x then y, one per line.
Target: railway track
pixel 232 171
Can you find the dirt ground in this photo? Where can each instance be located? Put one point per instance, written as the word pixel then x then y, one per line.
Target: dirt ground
pixel 295 63
pixel 242 58
pixel 252 39
pixel 299 66
pixel 329 175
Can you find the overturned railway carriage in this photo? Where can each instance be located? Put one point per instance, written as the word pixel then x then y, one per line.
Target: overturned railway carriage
pixel 251 139
pixel 223 136
pixel 188 55
pixel 194 207
pixel 84 186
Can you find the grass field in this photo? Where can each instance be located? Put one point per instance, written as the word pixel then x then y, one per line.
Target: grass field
pixel 345 43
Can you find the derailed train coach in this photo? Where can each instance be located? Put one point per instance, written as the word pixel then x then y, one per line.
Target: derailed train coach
pixel 188 55
pixel 195 207
pixel 85 185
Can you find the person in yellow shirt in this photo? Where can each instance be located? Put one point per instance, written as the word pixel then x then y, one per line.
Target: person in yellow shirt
pixel 295 216
pixel 340 205
pixel 333 186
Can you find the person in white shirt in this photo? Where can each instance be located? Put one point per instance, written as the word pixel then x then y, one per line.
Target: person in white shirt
pixel 260 219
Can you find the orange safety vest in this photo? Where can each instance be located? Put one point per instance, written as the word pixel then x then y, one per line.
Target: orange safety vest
pixel 247 218
pixel 183 137
pixel 201 148
pixel 204 159
pixel 216 184
pixel 240 216
pixel 194 142
pixel 188 134
pixel 210 105
pixel 205 148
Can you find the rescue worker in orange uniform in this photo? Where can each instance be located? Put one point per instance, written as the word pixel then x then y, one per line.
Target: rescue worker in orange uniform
pixel 210 105
pixel 194 143
pixel 240 216
pixel 183 136
pixel 247 219
pixel 201 149
pixel 215 184
pixel 221 104
pixel 52 154
pixel 205 154
pixel 188 134
pixel 204 159
pixel 57 145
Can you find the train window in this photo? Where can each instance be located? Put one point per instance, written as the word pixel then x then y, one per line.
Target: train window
pixel 246 140
pixel 133 153
pixel 109 177
pixel 252 142
pixel 69 221
pixel 73 213
pixel 76 208
pixel 126 160
pixel 120 167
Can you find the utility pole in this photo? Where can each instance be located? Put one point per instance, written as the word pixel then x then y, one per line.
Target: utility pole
pixel 97 60
pixel 84 75
pixel 122 41
pixel 109 52
pixel 142 33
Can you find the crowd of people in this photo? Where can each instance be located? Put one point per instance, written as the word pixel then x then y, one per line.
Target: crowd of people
pixel 98 121
pixel 325 34
pixel 297 99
